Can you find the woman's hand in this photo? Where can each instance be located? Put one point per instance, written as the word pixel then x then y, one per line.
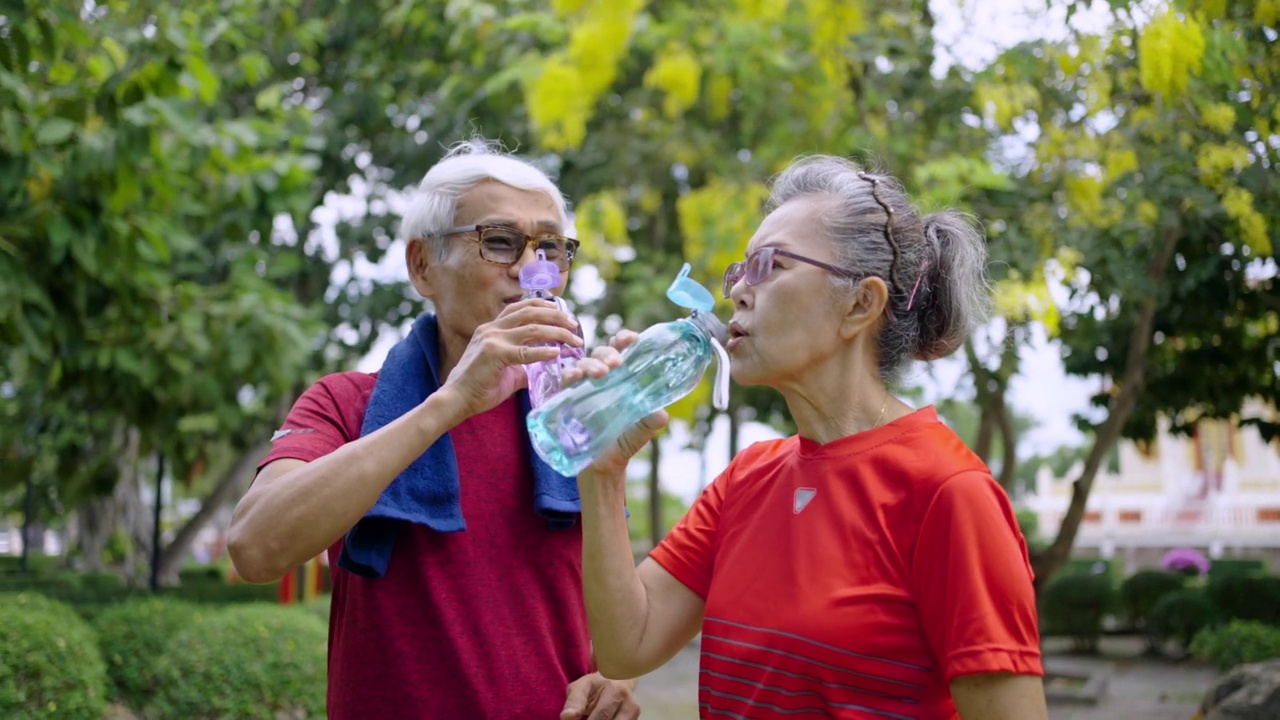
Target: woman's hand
pixel 612 463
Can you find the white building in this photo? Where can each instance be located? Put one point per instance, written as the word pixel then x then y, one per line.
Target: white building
pixel 1217 490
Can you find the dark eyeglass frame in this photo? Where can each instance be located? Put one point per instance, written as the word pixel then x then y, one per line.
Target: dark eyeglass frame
pixel 565 262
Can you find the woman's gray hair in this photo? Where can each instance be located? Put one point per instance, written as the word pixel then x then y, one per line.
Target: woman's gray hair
pixel 938 288
pixel 434 202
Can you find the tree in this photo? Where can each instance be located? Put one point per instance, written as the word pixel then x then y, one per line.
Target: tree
pixel 1152 172
pixel 133 252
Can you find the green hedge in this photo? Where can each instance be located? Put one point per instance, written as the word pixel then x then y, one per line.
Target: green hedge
pixel 132 635
pixel 1074 605
pixel 1247 597
pixel 50 666
pixel 1140 592
pixel 244 662
pixel 1237 643
pixel 1180 615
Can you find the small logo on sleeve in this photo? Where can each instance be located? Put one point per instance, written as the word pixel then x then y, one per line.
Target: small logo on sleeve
pixel 287 431
pixel 803 497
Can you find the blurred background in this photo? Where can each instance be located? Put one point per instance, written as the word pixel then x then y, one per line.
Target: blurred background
pixel 198 217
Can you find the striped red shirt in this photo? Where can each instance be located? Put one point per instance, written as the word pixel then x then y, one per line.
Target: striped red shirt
pixel 855 579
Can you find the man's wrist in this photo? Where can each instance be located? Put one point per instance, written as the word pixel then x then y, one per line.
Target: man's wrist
pixel 442 411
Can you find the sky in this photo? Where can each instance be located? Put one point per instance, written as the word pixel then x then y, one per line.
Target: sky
pixel 970 32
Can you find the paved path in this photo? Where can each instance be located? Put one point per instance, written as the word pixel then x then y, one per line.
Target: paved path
pixel 1139 688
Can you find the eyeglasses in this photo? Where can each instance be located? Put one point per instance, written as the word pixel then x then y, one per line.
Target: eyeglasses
pixel 504 245
pixel 759 265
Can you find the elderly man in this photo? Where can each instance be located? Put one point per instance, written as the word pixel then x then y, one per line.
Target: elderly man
pixel 456 555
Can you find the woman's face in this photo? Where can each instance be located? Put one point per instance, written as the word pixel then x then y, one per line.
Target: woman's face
pixel 790 322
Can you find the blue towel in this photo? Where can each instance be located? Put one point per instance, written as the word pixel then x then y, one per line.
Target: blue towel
pixel 427 492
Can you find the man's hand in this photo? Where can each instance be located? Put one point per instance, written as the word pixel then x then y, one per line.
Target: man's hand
pixel 490 369
pixel 595 697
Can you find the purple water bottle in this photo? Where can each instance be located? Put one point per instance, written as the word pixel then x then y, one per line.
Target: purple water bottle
pixel 538 278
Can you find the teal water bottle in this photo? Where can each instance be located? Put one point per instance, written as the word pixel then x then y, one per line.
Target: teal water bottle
pixel 664 364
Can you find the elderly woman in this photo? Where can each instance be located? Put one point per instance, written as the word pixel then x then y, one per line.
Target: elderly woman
pixel 869 566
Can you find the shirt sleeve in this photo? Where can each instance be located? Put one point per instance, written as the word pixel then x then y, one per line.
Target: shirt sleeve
pixel 972 579
pixel 312 429
pixel 688 552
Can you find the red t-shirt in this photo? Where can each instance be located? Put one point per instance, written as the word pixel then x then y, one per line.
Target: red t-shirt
pixel 855 579
pixel 485 623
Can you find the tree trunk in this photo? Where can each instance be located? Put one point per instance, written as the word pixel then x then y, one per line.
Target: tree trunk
pixel 229 487
pixel 1009 444
pixel 735 427
pixel 1131 384
pixel 655 493
pixel 94 523
pixel 982 380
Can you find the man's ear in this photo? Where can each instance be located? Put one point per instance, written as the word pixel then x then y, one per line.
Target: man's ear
pixel 418 258
pixel 864 306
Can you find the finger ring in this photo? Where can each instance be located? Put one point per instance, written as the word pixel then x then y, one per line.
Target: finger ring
pixel 520 354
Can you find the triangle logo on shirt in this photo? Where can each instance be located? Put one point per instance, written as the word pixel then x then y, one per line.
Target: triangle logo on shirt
pixel 802 499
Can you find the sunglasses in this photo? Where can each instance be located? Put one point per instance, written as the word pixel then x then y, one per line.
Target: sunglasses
pixel 504 245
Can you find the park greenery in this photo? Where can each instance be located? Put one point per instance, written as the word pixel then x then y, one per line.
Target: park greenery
pixel 176 268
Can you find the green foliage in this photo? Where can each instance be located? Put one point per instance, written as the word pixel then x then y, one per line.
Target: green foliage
pixel 1179 615
pixel 253 661
pixel 49 661
pixel 141 194
pixel 1140 592
pixel 1237 643
pixel 1222 567
pixel 1247 597
pixel 132 636
pixel 1074 605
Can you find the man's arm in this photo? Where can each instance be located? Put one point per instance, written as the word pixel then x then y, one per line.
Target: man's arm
pixel 295 509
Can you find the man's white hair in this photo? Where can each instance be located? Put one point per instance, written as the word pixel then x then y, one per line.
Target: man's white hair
pixel 434 203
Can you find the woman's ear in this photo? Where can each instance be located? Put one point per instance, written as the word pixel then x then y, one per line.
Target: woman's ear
pixel 864 307
pixel 417 257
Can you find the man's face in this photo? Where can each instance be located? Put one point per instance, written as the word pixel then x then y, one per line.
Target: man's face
pixel 467 290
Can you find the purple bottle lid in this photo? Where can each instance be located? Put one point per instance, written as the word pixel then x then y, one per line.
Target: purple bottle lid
pixel 541 274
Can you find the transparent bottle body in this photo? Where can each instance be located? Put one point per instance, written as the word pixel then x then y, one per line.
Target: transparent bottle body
pixel 544 377
pixel 664 364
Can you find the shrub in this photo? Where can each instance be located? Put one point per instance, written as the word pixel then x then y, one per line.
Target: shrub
pixel 49 661
pixel 1237 643
pixel 1247 597
pixel 1180 615
pixel 1140 592
pixel 245 661
pixel 1075 605
pixel 318 607
pixel 1222 568
pixel 132 636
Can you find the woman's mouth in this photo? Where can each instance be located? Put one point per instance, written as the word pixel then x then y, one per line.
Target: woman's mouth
pixel 736 334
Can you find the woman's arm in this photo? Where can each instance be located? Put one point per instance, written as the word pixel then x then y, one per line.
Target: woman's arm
pixel 639 617
pixel 999 696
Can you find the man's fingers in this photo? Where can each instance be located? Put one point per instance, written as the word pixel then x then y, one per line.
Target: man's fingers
pixel 578 699
pixel 530 312
pixel 608 705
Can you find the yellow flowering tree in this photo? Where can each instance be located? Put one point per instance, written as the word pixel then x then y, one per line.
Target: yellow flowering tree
pixel 1153 165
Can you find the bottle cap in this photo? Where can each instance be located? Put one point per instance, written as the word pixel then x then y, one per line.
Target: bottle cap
pixel 687 293
pixel 541 274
